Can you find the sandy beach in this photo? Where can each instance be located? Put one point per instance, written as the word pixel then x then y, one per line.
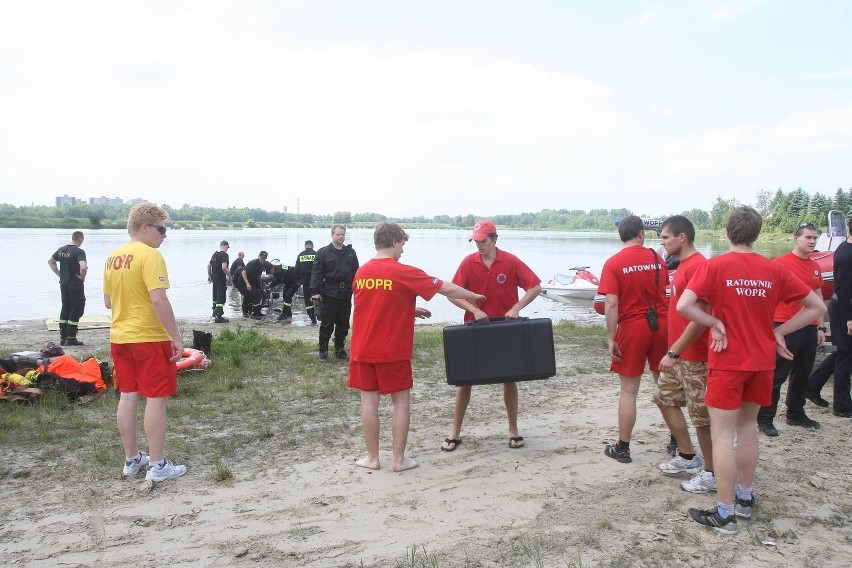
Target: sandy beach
pixel 556 502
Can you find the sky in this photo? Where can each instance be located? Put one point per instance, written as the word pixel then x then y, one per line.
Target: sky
pixel 412 108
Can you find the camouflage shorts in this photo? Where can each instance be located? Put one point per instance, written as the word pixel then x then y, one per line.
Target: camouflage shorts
pixel 685 386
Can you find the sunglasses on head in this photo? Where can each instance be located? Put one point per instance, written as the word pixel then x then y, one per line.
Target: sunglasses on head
pixel 808 225
pixel 162 229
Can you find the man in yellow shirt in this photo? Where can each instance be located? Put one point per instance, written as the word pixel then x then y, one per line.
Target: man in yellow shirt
pixel 145 340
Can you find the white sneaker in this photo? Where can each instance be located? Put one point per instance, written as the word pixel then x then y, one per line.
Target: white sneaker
pixel 164 470
pixel 134 466
pixel 680 465
pixel 703 482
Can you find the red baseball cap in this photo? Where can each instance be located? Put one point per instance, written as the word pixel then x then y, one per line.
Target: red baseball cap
pixel 482 229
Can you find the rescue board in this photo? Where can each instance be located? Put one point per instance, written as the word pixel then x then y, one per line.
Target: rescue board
pixel 86 322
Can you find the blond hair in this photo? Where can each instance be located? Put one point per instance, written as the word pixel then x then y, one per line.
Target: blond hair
pixel 144 214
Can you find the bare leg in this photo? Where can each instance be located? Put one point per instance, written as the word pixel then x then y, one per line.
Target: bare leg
pixel 510 398
pixel 747 448
pixel 723 427
pixel 676 421
pixel 399 425
pixel 705 442
pixel 370 426
pixel 125 418
pixel 462 400
pixel 627 406
pixel 155 427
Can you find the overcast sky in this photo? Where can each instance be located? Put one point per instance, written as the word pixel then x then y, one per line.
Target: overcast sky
pixel 428 107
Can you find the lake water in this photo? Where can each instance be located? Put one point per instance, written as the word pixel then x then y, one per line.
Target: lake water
pixel 32 290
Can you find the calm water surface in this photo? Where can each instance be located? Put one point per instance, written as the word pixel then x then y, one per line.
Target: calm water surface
pixel 32 290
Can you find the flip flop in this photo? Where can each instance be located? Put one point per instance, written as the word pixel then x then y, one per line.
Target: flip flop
pixel 516 442
pixel 456 443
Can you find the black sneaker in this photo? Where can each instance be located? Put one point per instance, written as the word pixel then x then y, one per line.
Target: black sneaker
pixel 745 507
pixel 712 519
pixel 843 414
pixel 815 398
pixel 342 354
pixel 767 428
pixel 622 456
pixel 804 422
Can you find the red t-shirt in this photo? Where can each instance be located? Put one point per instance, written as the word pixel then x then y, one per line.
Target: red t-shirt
pixel 743 290
pixel 384 297
pixel 499 284
pixel 677 323
pixel 631 274
pixel 808 272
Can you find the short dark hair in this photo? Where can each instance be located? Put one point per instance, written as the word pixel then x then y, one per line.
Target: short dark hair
pixel 743 226
pixel 678 224
pixel 77 236
pixel 630 227
pixel 387 233
pixel 309 244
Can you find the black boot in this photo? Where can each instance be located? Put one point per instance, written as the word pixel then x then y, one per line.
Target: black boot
pixel 339 351
pixel 72 336
pixel 63 333
pixel 312 315
pixel 286 313
pixel 323 351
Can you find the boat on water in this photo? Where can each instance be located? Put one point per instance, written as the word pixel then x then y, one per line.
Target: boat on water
pixel 581 286
pixel 823 254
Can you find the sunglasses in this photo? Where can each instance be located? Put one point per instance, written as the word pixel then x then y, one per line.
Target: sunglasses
pixel 160 228
pixel 808 225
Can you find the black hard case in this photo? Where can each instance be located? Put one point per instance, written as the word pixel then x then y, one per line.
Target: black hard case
pixel 499 351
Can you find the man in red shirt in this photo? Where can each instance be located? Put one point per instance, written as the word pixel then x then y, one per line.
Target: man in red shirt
pixel 743 289
pixel 634 282
pixel 683 379
pixel 802 343
pixel 497 275
pixel 385 292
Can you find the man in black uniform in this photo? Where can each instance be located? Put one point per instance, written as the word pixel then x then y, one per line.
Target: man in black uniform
pixel 304 265
pixel 72 273
pixel 251 279
pixel 840 313
pixel 288 278
pixel 218 274
pixel 238 263
pixel 331 284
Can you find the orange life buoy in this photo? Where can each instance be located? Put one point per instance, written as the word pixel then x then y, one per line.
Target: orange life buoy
pixel 189 359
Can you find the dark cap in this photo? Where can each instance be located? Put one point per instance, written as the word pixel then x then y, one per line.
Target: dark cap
pixel 224 243
pixel 263 254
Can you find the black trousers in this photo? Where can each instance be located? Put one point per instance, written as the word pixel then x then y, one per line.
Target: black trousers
pixel 73 302
pixel 843 363
pixel 821 374
pixel 220 287
pixel 335 320
pixel 802 344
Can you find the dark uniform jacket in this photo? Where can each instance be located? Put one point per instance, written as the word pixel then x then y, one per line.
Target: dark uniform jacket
pixel 334 271
pixel 305 265
pixel 216 261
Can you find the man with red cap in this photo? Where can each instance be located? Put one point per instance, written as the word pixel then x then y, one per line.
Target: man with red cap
pixel 497 275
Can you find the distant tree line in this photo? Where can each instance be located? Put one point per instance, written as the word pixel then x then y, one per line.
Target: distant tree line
pixel 781 210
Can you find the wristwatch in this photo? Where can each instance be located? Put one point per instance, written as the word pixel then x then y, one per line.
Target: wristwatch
pixel 672 354
pixel 821 328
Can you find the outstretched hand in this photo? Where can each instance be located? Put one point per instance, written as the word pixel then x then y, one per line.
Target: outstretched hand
pixel 422 313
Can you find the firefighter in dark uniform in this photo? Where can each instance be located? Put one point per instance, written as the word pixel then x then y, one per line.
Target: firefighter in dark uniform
pixel 304 265
pixel 253 294
pixel 218 274
pixel 331 285
pixel 238 263
pixel 72 271
pixel 287 277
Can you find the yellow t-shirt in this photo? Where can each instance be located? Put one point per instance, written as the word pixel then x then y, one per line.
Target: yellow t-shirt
pixel 130 273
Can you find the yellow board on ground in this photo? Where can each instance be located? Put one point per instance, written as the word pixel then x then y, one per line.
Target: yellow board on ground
pixel 86 322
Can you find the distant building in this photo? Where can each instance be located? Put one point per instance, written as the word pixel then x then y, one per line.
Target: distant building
pixel 64 200
pixel 102 200
pixel 137 201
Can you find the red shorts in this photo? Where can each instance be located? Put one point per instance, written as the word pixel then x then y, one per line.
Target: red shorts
pixel 727 390
pixel 386 378
pixel 639 345
pixel 145 368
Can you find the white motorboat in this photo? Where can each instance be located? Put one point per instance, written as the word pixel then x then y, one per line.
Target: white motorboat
pixel 578 287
